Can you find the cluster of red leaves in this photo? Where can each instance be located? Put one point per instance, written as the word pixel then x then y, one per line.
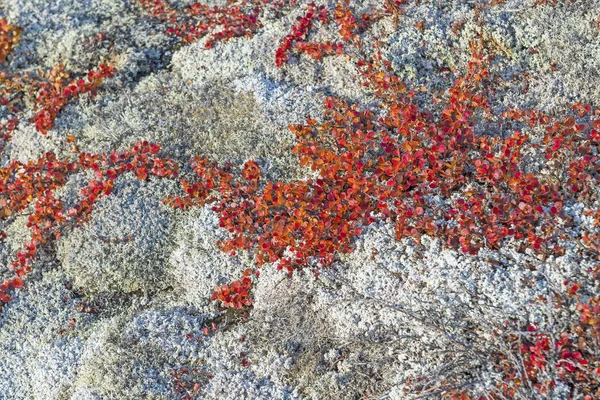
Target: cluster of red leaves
pixel 350 27
pixel 188 383
pixel 58 91
pixel 272 220
pixel 378 75
pixel 50 92
pixel 160 10
pixel 236 294
pixel 9 37
pixel 6 132
pixel 300 33
pixel 13 90
pixel 536 352
pixel 237 19
pixel 572 356
pixel 537 360
pixel 429 175
pixel 32 185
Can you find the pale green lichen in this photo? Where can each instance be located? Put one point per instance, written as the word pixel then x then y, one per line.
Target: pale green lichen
pixel 124 247
pixel 131 356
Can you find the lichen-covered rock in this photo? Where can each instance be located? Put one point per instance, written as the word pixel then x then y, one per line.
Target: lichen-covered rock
pixel 28 145
pixel 17 234
pixel 125 246
pixel 229 385
pixel 42 337
pixel 562 51
pixel 118 307
pixel 85 393
pixel 198 266
pixel 219 119
pixel 133 356
pixel 80 35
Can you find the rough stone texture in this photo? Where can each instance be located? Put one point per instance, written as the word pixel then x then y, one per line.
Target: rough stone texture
pixel 125 245
pixel 229 385
pixel 38 360
pixel 133 357
pixel 197 264
pixel 61 33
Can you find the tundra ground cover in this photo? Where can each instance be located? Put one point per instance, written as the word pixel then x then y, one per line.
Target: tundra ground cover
pixel 446 163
